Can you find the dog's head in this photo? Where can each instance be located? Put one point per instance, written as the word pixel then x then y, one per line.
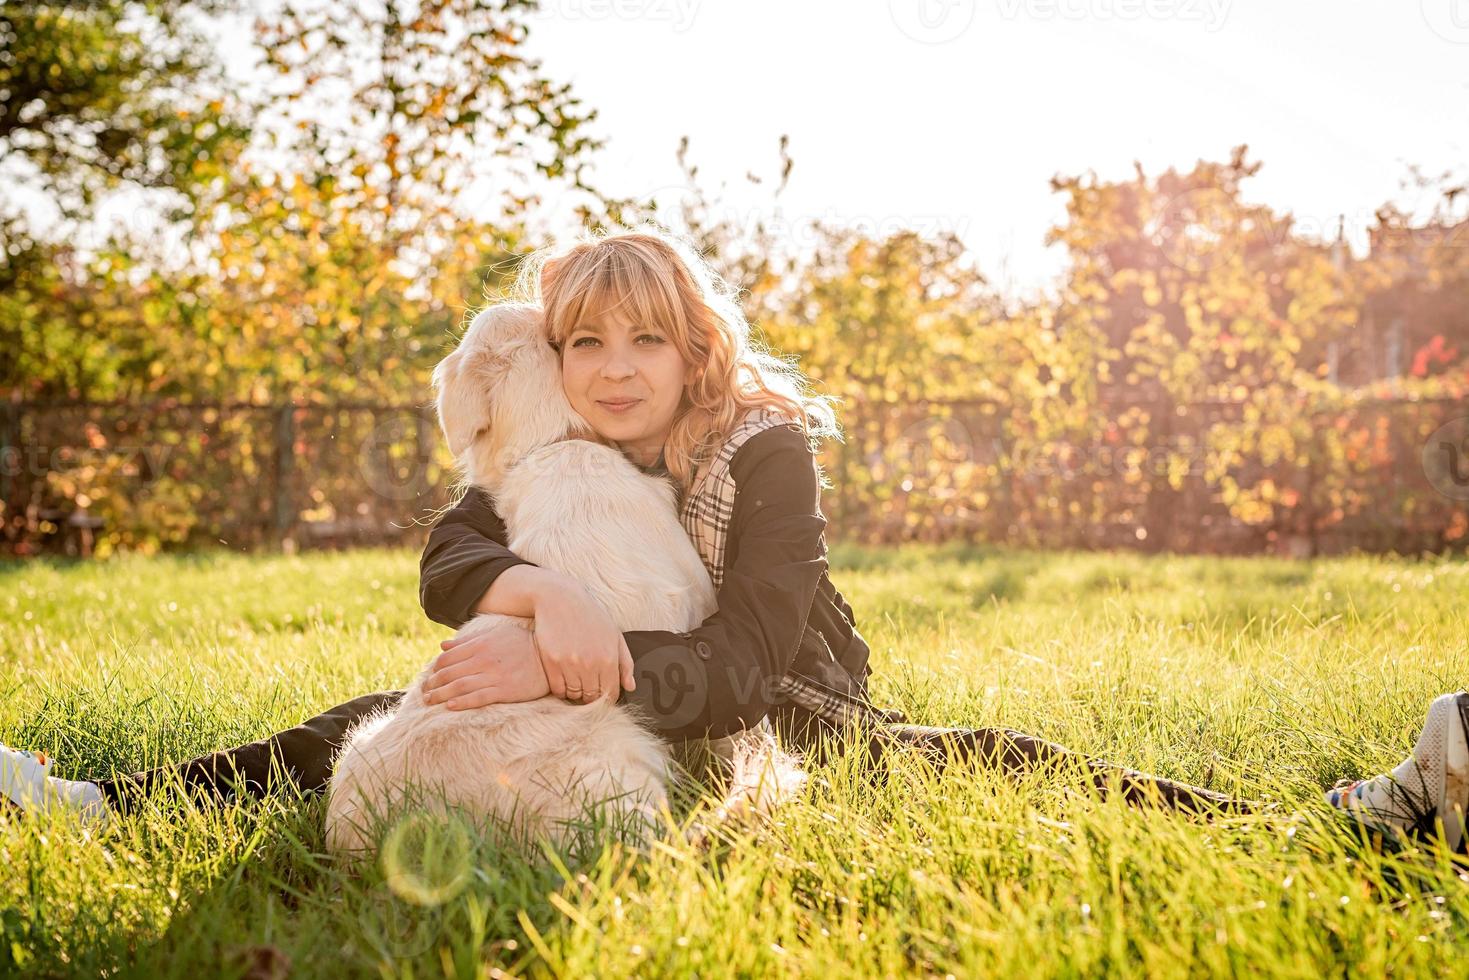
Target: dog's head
pixel 500 395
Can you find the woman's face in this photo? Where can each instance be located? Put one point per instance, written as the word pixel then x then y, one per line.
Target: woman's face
pixel 627 380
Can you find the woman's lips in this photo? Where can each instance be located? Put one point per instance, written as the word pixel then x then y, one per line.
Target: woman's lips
pixel 619 407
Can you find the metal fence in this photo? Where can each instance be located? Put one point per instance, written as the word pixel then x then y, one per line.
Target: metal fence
pixel 1146 473
pixel 236 474
pixel 1141 473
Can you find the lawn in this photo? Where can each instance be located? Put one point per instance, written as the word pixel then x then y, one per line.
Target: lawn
pixel 1262 677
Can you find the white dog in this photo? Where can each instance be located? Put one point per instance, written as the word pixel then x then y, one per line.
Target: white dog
pixel 584 509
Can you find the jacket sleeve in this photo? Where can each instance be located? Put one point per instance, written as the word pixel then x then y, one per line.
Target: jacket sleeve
pixel 720 677
pixel 466 552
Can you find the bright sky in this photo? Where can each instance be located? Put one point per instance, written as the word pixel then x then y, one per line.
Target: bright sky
pixel 954 114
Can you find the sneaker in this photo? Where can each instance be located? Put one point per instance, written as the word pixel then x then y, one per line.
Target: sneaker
pixel 26 784
pixel 1430 787
pixel 23 778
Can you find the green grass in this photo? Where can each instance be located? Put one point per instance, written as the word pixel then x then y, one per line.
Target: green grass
pixel 1266 678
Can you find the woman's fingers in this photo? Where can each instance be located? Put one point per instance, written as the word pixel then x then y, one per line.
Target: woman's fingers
pixel 625 666
pixel 554 677
pixel 447 675
pixel 455 655
pixel 456 689
pixel 583 680
pixel 549 665
pixel 453 641
pixel 474 699
pixel 609 678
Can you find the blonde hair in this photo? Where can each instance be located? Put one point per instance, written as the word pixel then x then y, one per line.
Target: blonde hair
pixel 667 285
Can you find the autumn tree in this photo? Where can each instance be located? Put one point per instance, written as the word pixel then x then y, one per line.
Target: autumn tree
pixel 331 260
pixel 110 93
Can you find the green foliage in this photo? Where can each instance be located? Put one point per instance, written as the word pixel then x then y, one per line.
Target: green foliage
pixel 1180 377
pixel 106 93
pixel 340 270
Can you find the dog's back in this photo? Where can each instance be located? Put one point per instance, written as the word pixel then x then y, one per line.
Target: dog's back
pixel 582 509
pixel 536 765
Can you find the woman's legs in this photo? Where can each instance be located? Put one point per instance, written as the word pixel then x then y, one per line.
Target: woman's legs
pixel 303 756
pixel 1015 752
pixel 1425 796
pixel 997 748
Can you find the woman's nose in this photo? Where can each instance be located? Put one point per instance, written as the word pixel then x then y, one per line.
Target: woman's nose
pixel 617 367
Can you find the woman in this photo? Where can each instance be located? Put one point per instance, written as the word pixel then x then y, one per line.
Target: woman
pixel 655 356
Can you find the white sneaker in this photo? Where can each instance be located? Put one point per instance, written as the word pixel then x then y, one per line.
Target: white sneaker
pixel 26 783
pixel 23 778
pixel 1429 787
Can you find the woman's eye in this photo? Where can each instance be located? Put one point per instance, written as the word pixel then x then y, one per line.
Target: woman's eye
pixel 641 337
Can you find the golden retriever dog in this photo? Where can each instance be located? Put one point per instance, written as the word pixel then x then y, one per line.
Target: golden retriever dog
pixel 580 507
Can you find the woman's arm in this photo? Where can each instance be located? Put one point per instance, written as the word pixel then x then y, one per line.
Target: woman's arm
pixel 468 568
pixel 468 559
pixel 462 571
pixel 720 677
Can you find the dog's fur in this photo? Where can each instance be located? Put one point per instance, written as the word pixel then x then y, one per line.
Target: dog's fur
pixel 584 509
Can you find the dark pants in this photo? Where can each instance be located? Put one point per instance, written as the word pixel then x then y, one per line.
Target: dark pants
pixel 303 757
pixel 1016 753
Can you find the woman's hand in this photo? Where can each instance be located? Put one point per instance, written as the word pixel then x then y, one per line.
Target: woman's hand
pixel 582 650
pixel 497 667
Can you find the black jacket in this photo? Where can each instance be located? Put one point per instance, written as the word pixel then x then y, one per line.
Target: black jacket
pixel 778 611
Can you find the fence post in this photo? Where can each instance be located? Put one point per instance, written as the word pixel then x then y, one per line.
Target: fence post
pixel 11 465
pixel 1003 503
pixel 1161 502
pixel 425 432
pixel 1310 511
pixel 285 467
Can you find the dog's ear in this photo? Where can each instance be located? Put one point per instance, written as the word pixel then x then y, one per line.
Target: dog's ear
pixel 463 396
pixel 463 412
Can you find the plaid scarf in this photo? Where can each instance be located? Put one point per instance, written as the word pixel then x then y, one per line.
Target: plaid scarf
pixel 706 513
pixel 709 506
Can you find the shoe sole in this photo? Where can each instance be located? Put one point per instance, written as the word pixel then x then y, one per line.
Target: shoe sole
pixel 1456 776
